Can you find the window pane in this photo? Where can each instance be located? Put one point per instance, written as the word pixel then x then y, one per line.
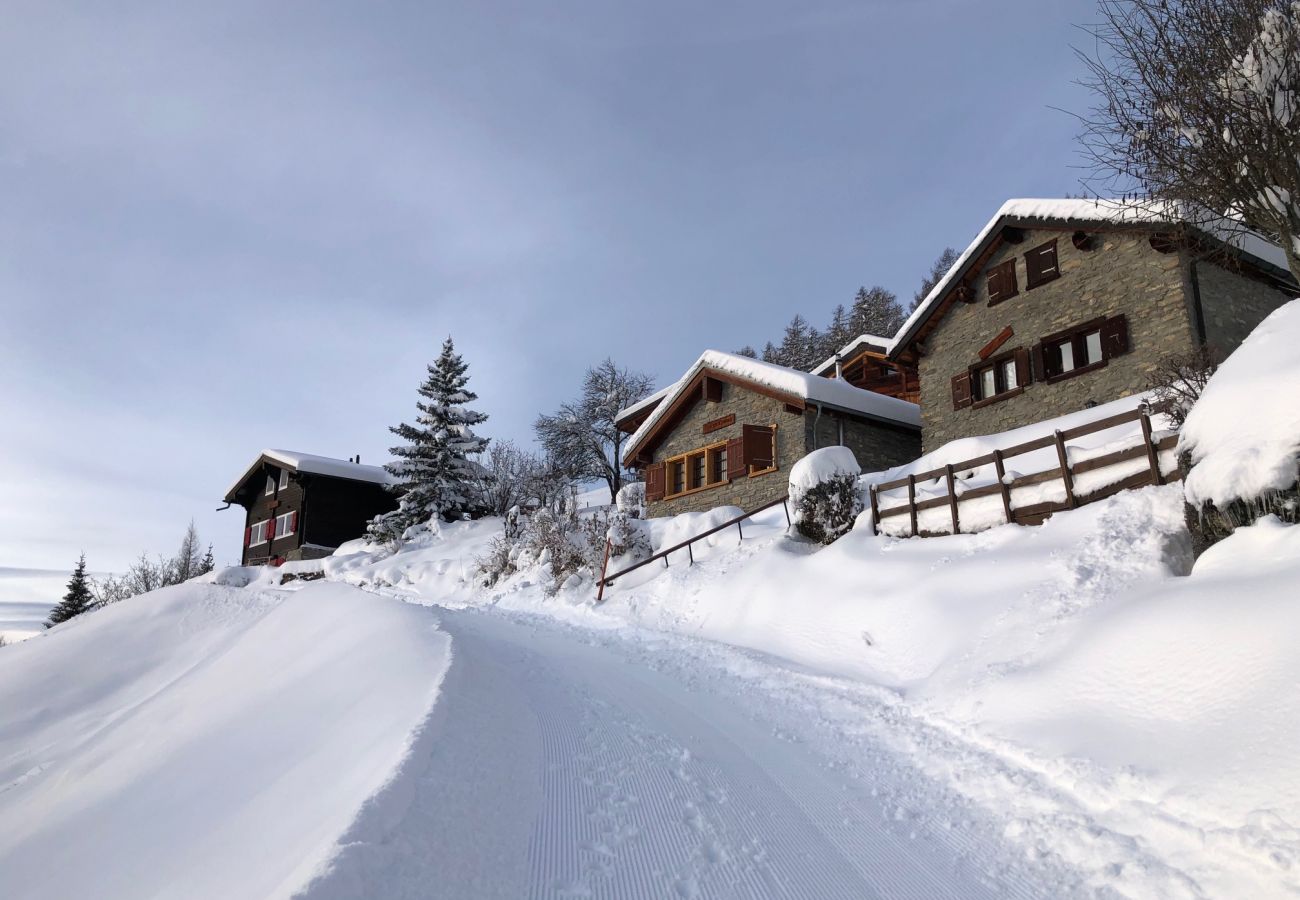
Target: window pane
pixel 720 464
pixel 1009 375
pixel 678 477
pixel 1066 349
pixel 1092 343
pixel 697 471
pixel 988 383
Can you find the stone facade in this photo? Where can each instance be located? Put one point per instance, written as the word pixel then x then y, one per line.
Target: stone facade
pixel 794 432
pixel 1121 273
pixel 1232 305
pixel 876 445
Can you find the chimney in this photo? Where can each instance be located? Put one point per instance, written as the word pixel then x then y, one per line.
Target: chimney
pixel 839 366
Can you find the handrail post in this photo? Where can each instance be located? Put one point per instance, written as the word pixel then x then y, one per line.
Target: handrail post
pixel 1153 456
pixel 1001 471
pixel 875 511
pixel 952 498
pixel 604 567
pixel 785 505
pixel 911 500
pixel 690 554
pixel 1066 476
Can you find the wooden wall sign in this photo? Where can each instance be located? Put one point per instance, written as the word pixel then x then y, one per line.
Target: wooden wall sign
pixel 718 424
pixel 991 347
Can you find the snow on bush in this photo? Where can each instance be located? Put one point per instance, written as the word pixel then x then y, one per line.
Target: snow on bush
pixel 1242 438
pixel 563 547
pixel 631 500
pixel 824 495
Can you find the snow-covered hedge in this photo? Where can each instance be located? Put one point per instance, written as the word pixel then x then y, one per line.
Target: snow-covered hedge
pixel 1241 441
pixel 631 500
pixel 824 494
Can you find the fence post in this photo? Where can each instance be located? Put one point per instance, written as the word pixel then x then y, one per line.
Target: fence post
pixel 952 498
pixel 875 511
pixel 911 501
pixel 604 567
pixel 740 529
pixel 1066 475
pixel 1002 483
pixel 690 554
pixel 1153 456
pixel 785 505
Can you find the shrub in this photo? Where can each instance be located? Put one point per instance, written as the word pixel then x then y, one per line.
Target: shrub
pixel 631 500
pixel 1179 379
pixel 824 495
pixel 564 546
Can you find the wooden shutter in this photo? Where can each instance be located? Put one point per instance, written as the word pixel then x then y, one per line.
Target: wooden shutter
pixel 1040 264
pixel 1022 366
pixel 961 396
pixel 736 464
pixel 248 536
pixel 712 389
pixel 758 445
pixel 293 522
pixel 1002 282
pixel 1040 364
pixel 654 481
pixel 1114 336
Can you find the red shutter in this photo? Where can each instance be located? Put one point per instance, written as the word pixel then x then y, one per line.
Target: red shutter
pixel 1040 364
pixel 961 397
pixel 248 536
pixel 654 481
pixel 1022 366
pixel 758 445
pixel 1114 337
pixel 736 464
pixel 293 522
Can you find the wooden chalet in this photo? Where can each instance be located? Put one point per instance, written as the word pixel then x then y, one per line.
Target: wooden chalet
pixel 727 432
pixel 1061 305
pixel 864 363
pixel 301 506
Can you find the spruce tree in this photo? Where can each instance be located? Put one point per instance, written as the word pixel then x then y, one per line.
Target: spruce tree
pixel 78 598
pixel 435 474
pixel 940 268
pixel 207 563
pixel 876 311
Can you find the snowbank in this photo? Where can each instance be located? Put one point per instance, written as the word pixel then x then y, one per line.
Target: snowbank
pixel 204 741
pixel 1243 434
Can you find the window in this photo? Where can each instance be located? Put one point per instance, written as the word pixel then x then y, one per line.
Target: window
pixel 1002 282
pixel 270 484
pixel 285 524
pixel 1040 265
pixel 998 378
pixel 257 533
pixel 1073 352
pixel 284 478
pixel 697 470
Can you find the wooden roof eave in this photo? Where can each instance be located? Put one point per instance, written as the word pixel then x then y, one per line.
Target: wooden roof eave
pixel 692 394
pixel 257 466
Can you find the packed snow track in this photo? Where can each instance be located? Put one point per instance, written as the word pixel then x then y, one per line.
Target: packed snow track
pixel 562 762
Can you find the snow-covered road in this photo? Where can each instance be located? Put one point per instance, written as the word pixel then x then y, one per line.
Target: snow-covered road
pixel 562 762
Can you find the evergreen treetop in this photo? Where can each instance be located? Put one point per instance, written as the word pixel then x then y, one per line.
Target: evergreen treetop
pixel 77 600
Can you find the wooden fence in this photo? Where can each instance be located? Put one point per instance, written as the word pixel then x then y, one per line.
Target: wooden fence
pixel 686 545
pixel 1035 513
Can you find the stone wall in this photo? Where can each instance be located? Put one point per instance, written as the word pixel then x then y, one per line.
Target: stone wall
pixel 749 408
pixel 876 446
pixel 1233 305
pixel 1121 274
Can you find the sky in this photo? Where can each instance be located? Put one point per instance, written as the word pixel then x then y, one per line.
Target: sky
pixel 230 226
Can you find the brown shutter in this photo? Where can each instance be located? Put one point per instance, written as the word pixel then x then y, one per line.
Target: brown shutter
pixel 1022 366
pixel 961 397
pixel 1040 364
pixel 712 389
pixel 654 481
pixel 1040 264
pixel 758 445
pixel 1002 282
pixel 736 464
pixel 1114 336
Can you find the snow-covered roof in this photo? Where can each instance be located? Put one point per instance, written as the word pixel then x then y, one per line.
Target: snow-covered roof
pixel 645 404
pixel 853 348
pixel 799 385
pixel 1085 211
pixel 317 465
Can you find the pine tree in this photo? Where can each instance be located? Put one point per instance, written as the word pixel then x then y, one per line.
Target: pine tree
pixel 187 562
pixel 207 563
pixel 771 354
pixel 937 271
pixel 747 351
pixel 78 598
pixel 875 311
pixel 436 475
pixel 799 344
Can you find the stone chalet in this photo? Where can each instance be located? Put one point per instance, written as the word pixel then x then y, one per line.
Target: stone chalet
pixel 1060 305
pixel 300 506
pixel 728 431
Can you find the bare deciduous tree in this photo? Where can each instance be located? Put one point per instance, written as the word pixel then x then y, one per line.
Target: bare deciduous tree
pixel 1199 106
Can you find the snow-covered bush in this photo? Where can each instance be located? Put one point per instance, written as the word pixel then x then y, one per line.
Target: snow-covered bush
pixel 631 500
pixel 629 536
pixel 565 547
pixel 1240 444
pixel 1179 380
pixel 824 495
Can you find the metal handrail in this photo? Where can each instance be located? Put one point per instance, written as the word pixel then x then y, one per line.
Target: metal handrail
pixel 663 554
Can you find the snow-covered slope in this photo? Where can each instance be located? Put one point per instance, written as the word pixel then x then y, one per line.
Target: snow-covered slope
pixel 204 741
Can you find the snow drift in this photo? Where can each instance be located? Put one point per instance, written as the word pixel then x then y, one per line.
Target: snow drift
pixel 204 741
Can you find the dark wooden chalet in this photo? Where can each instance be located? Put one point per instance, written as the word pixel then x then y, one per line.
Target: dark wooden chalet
pixel 301 506
pixel 864 363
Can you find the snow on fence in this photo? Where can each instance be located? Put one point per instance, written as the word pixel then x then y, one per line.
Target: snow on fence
pixel 985 491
